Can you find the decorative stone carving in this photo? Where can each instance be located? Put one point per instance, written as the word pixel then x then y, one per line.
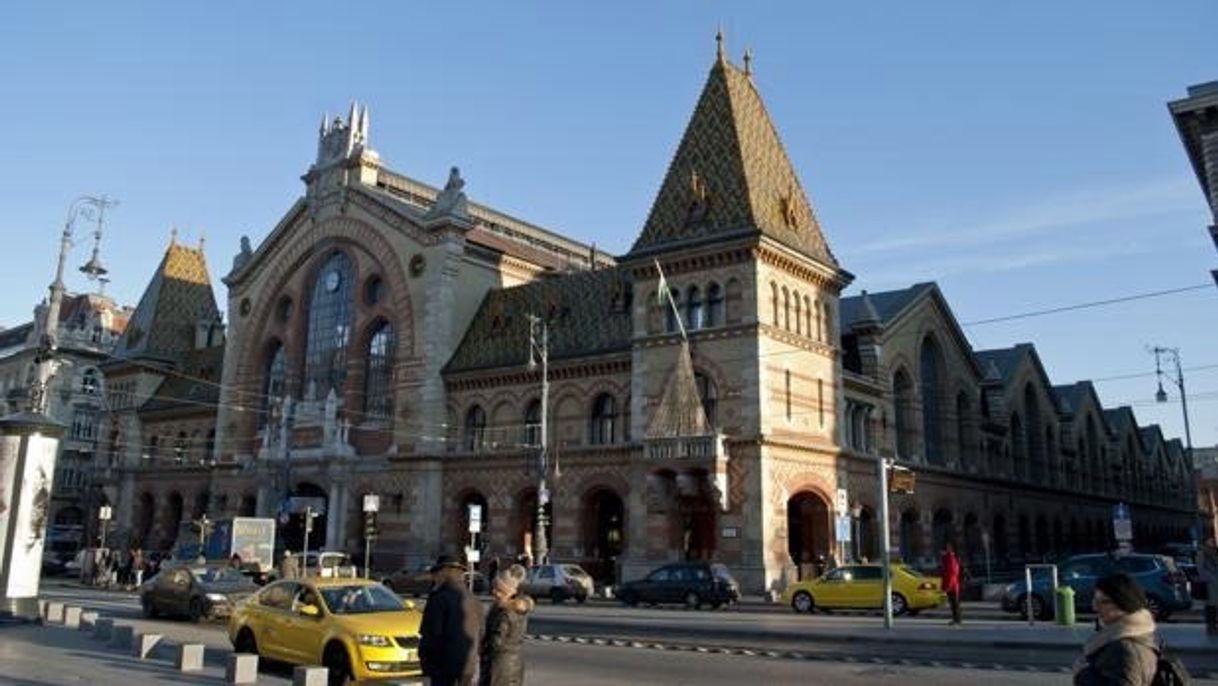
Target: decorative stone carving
pixel 244 255
pixel 451 201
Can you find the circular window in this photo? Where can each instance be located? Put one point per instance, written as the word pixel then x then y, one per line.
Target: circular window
pixel 246 306
pixel 374 290
pixel 283 310
pixel 417 264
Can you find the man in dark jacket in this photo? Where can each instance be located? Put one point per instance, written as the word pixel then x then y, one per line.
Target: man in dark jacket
pixel 451 628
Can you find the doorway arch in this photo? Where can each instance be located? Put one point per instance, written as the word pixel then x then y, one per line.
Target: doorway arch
pixel 808 532
pixel 603 534
pixel 306 495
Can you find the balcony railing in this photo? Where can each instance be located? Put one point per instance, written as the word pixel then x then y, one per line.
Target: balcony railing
pixel 683 447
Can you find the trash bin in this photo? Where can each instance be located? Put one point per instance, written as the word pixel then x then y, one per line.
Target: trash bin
pixel 1063 605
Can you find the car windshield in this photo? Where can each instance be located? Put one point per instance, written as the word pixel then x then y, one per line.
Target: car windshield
pixel 720 572
pixel 218 575
pixel 360 599
pixel 572 570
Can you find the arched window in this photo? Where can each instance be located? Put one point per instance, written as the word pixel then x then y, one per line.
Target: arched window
pixel 210 446
pixel 828 323
pixel 693 308
pixel 274 381
pixel 903 399
pixel 378 374
pixel 475 428
pixel 179 448
pixel 329 328
pixel 153 448
pixel 808 316
pixel 774 301
pixel 799 319
pixel 670 310
pixel 787 384
pixel 1019 447
pixel 820 322
pixel 963 447
pixel 1033 439
pixel 604 417
pixel 786 308
pixel 709 394
pixel 532 424
pixel 714 305
pixel 90 383
pixel 931 371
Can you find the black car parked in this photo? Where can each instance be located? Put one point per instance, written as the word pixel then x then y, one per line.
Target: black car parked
pixel 693 584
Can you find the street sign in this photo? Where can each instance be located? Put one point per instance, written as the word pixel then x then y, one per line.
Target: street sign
pixel 475 518
pixel 901 480
pixel 841 501
pixel 842 524
pixel 1122 524
pixel 473 555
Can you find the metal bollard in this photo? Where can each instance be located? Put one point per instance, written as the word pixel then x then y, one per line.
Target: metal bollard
pixel 310 675
pixel 71 617
pixel 122 637
pixel 144 644
pixel 242 669
pixel 54 613
pixel 190 657
pixel 103 629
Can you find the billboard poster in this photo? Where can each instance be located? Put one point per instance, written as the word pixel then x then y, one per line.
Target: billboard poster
pixel 31 517
pixel 254 540
pixel 10 446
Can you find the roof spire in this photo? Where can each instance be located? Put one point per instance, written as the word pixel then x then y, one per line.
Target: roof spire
pixel 719 44
pixel 173 234
pixel 748 62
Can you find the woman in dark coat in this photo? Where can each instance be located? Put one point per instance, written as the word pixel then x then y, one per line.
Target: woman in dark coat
pixel 502 658
pixel 1123 652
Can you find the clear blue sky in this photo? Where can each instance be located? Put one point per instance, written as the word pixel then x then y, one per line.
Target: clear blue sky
pixel 1019 153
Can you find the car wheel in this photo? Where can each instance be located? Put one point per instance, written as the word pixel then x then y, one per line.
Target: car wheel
pixel 148 607
pixel 557 596
pixel 1156 608
pixel 338 666
pixel 802 602
pixel 197 613
pixel 246 643
pixel 693 601
pixel 630 598
pixel 899 606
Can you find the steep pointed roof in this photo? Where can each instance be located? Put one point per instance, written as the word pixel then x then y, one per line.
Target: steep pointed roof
pixel 731 176
pixel 680 411
pixel 178 297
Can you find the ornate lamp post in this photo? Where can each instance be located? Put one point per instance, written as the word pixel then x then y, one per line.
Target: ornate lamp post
pixel 1173 355
pixel 541 349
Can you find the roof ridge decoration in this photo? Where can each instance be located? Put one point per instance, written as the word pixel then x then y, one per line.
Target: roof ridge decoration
pixel 731 175
pixel 680 411
pixel 178 296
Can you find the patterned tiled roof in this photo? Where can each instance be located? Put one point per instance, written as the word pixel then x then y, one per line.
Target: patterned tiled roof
pixel 731 176
pixel 176 299
pixel 1006 360
pixel 680 412
pixel 588 314
pixel 195 387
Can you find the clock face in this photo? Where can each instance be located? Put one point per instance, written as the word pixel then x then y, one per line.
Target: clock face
pixel 332 280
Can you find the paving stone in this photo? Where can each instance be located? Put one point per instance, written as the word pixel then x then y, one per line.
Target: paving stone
pixel 71 617
pixel 103 628
pixel 54 613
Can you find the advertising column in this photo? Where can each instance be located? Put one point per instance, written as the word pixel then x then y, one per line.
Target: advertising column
pixel 28 447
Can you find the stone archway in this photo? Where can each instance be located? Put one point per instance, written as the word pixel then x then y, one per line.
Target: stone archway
pixel 145 514
pixel 173 521
pixel 808 532
pixel 697 514
pixel 942 530
pixel 604 533
pixel 910 536
pixel 866 545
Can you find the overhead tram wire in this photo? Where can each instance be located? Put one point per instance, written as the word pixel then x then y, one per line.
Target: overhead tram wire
pixel 1086 305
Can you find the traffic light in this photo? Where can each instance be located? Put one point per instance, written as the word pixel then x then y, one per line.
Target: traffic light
pixel 370 525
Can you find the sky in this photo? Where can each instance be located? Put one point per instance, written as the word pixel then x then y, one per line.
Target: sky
pixel 1019 154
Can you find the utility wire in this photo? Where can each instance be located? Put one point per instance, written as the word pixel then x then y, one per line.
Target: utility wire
pixel 1081 306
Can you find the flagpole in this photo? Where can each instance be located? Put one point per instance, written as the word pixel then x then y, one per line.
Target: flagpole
pixel 664 292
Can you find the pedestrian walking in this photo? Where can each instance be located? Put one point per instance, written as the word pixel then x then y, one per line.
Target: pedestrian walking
pixel 452 624
pixel 290 565
pixel 137 567
pixel 501 656
pixel 1207 570
pixel 950 580
pixel 1124 650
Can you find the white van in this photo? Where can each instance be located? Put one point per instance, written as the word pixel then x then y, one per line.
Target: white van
pixel 325 564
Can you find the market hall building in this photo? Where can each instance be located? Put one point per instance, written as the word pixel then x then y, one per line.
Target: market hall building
pixel 709 391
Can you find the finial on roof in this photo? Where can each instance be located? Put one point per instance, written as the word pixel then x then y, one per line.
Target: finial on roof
pixel 202 240
pixel 748 62
pixel 173 234
pixel 719 44
pixel 869 314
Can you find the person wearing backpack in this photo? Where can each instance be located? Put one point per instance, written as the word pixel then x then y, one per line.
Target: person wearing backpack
pixel 1124 652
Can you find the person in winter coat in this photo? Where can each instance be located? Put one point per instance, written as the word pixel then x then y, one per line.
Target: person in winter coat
pixel 452 624
pixel 1123 652
pixel 1207 571
pixel 502 658
pixel 950 580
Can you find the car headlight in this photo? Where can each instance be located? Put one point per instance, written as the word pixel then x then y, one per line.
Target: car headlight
pixel 375 640
pixel 217 597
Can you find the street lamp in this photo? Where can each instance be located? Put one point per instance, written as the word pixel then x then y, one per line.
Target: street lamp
pixel 372 504
pixel 1173 355
pixel 541 349
pixel 856 514
pixel 104 513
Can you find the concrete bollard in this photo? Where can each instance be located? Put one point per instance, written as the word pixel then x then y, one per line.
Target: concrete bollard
pixel 122 637
pixel 54 613
pixel 242 669
pixel 103 629
pixel 71 617
pixel 190 657
pixel 42 607
pixel 88 620
pixel 310 675
pixel 143 645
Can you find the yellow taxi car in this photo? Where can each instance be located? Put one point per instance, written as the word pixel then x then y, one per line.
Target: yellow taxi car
pixel 359 629
pixel 862 586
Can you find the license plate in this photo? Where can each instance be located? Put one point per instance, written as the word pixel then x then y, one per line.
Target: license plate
pixel 411 655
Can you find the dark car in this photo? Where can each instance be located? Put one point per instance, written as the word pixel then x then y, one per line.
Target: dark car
pixel 197 592
pixel 1166 587
pixel 418 582
pixel 693 584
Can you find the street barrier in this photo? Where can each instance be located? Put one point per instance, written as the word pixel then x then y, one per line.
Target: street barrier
pixel 190 657
pixel 122 636
pixel 310 675
pixel 88 620
pixel 54 613
pixel 42 607
pixel 103 629
pixel 242 668
pixel 1027 589
pixel 71 617
pixel 143 645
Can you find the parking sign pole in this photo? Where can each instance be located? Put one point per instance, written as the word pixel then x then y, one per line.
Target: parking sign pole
pixel 884 552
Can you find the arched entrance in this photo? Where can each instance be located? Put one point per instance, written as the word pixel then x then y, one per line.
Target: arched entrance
pixel 973 546
pixel 865 546
pixel 306 496
pixel 808 532
pixel 910 541
pixel 526 525
pixel 1000 539
pixel 173 521
pixel 144 517
pixel 942 530
pixel 603 534
pixel 697 515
